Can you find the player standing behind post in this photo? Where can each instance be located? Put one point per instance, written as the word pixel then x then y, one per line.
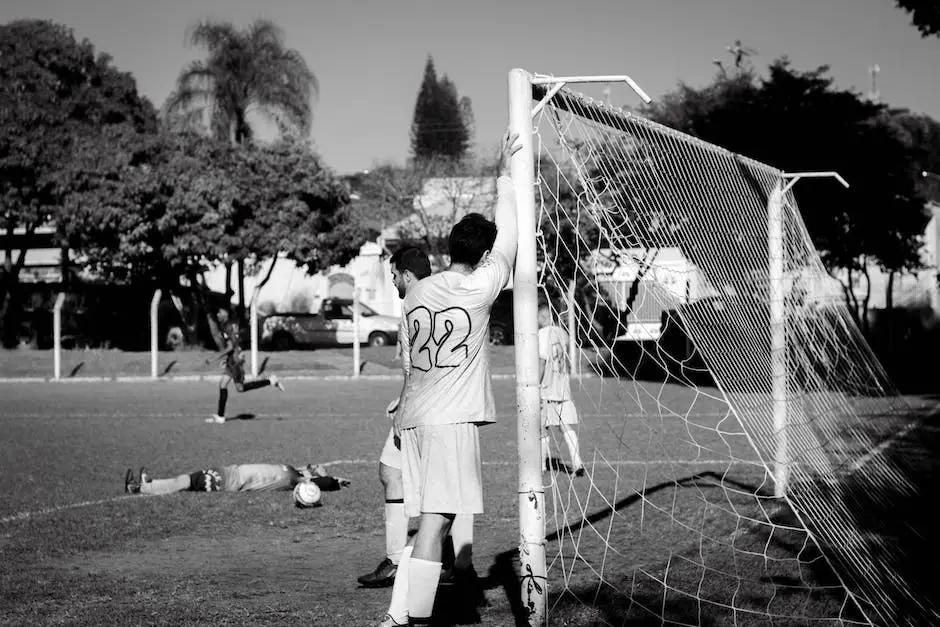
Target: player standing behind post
pixel 558 410
pixel 233 367
pixel 448 394
pixel 409 265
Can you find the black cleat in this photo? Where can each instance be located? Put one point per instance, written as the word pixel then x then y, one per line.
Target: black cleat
pixel 382 577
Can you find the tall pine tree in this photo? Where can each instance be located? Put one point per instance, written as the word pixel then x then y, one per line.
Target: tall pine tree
pixel 438 128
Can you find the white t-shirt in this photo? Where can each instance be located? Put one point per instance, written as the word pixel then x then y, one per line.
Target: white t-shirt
pixel 553 348
pixel 445 333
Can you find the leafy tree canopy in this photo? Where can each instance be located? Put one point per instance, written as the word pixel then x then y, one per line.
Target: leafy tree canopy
pixel 925 15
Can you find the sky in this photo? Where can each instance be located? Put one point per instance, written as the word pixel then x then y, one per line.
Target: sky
pixel 369 55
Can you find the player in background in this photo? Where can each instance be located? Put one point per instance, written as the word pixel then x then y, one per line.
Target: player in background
pixel 409 265
pixel 234 478
pixel 233 366
pixel 558 410
pixel 447 393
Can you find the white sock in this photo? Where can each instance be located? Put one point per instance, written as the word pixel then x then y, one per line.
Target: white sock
pixel 396 530
pixel 571 439
pixel 423 577
pixel 398 607
pixel 461 532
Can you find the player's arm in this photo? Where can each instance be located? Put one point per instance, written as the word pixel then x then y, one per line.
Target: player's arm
pixel 226 350
pixel 404 343
pixel 505 213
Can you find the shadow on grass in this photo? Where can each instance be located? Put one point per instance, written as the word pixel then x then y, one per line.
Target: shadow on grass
pixel 169 367
pixel 243 417
pixel 777 570
pixel 890 492
pixel 75 370
pixel 505 571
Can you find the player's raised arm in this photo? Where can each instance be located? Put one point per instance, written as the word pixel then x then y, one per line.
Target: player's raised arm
pixel 505 214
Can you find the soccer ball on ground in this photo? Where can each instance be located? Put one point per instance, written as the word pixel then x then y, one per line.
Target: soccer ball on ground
pixel 307 494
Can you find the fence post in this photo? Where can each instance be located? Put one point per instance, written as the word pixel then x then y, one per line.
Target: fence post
pixel 154 332
pixel 57 335
pixel 253 326
pixel 356 329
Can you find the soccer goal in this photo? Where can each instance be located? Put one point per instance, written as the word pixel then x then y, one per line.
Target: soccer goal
pixel 743 447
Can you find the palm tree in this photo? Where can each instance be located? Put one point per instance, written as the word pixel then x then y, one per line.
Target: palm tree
pixel 247 71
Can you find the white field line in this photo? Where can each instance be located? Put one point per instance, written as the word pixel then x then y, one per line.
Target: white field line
pixel 215 376
pixel 357 462
pixel 125 414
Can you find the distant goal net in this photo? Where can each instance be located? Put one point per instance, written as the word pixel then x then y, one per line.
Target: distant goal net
pixel 743 448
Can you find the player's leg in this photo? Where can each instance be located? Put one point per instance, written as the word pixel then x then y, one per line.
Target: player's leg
pixel 424 570
pixel 179 483
pixel 256 384
pixel 219 416
pixel 450 483
pixel 568 418
pixel 461 533
pixel 396 522
pixel 550 418
pixel 201 481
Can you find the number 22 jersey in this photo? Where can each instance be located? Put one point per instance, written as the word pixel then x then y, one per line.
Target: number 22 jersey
pixel 445 333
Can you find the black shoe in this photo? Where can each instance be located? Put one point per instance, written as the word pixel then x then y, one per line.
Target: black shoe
pixel 579 472
pixel 382 577
pixel 131 483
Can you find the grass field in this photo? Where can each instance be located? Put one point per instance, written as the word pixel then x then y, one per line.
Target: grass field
pixel 625 543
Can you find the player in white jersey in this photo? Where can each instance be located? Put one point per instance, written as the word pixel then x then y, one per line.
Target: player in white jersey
pixel 558 410
pixel 447 393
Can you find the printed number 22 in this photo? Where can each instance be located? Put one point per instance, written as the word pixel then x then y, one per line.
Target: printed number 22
pixel 438 339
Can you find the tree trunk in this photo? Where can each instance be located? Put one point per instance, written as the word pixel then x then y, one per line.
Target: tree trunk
pixel 241 290
pixel 229 292
pixel 10 311
pixel 851 299
pixel 866 300
pixel 889 292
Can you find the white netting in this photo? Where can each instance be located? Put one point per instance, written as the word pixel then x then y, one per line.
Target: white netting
pixel 665 242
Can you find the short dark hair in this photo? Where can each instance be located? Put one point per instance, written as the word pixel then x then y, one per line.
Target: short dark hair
pixel 413 259
pixel 471 238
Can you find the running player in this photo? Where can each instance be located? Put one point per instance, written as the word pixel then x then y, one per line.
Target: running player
pixel 233 367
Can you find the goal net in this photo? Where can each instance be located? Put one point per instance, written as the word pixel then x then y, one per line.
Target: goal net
pixel 714 364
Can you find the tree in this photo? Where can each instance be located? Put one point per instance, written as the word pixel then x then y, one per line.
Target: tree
pixel 162 208
pixel 439 128
pixel 55 94
pixel 799 121
pixel 925 15
pixel 246 71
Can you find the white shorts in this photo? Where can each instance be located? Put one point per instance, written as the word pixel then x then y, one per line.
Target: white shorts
pixel 391 454
pixel 441 471
pixel 557 413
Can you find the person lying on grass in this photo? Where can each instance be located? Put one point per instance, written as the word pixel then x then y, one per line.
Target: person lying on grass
pixel 234 478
